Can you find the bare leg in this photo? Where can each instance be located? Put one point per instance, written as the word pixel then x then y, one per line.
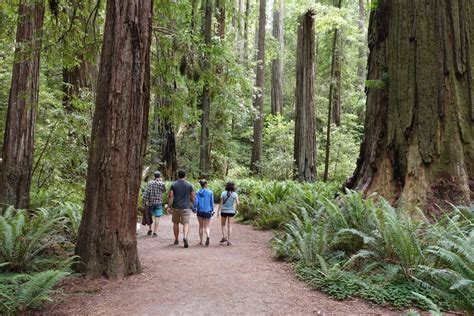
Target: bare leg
pixel 176 231
pixel 156 223
pixel 201 228
pixel 229 229
pixel 207 228
pixel 185 231
pixel 223 226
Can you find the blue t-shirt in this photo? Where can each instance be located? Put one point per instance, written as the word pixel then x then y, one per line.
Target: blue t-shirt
pixel 229 199
pixel 181 194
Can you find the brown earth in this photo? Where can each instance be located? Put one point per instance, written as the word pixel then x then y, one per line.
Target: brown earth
pixel 238 279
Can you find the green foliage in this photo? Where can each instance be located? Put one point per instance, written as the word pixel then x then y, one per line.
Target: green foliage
pixel 22 292
pixel 366 248
pixel 30 242
pixel 375 84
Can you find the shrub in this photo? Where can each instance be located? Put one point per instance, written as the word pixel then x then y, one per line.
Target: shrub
pixel 21 292
pixel 30 242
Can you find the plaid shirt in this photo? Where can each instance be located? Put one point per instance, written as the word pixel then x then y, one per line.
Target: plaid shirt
pixel 154 193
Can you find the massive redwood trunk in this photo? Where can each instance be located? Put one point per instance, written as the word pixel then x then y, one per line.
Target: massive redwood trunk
pixel 260 81
pixel 204 146
pixel 305 141
pixel 107 243
pixel 277 64
pixel 419 130
pixel 18 145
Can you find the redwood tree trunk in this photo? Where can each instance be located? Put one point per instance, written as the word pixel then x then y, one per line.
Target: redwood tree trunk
pixel 107 243
pixel 246 30
pixel 305 141
pixel 277 64
pixel 260 81
pixel 334 106
pixel 419 130
pixel 75 79
pixel 18 144
pixel 204 147
pixel 361 65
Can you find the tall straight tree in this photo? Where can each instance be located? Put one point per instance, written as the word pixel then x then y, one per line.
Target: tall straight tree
pixel 305 140
pixel 361 64
pixel 419 130
pixel 277 63
pixel 246 30
pixel 334 105
pixel 107 243
pixel 204 146
pixel 18 144
pixel 260 81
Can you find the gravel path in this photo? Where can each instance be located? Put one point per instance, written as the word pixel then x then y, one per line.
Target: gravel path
pixel 241 279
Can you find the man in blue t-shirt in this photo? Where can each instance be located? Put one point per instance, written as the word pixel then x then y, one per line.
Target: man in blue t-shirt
pixel 180 196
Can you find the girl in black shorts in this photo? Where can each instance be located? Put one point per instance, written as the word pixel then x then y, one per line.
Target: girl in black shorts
pixel 228 209
pixel 204 206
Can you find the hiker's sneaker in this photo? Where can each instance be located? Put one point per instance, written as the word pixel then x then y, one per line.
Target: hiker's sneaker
pixel 223 240
pixel 176 242
pixel 229 244
pixel 154 235
pixel 149 233
pixel 207 241
pixel 185 241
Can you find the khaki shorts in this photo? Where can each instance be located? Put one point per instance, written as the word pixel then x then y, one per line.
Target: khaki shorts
pixel 180 216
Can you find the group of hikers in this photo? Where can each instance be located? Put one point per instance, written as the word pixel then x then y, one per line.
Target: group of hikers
pixel 182 200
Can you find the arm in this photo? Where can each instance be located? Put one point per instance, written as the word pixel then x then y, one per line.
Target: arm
pixel 170 200
pixel 212 203
pixel 237 202
pixel 196 202
pixel 220 207
pixel 192 197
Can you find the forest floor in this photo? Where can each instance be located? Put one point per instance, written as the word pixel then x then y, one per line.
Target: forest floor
pixel 239 279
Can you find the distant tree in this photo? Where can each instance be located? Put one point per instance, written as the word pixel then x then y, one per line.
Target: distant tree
pixel 419 129
pixel 277 63
pixel 305 138
pixel 18 145
pixel 107 243
pixel 260 81
pixel 204 146
pixel 334 106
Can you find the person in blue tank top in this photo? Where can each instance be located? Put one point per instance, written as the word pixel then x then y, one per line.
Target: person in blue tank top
pixel 228 209
pixel 204 207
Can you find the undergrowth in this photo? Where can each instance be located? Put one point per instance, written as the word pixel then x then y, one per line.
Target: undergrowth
pixel 366 248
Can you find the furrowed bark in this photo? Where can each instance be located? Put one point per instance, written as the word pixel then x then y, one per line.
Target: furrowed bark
pixel 107 243
pixel 305 138
pixel 18 144
pixel 418 146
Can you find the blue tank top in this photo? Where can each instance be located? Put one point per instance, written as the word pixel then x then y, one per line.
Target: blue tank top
pixel 228 206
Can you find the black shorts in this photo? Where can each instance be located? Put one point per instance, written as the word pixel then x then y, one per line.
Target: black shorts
pixel 204 214
pixel 227 214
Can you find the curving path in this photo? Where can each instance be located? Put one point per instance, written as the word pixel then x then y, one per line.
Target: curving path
pixel 240 279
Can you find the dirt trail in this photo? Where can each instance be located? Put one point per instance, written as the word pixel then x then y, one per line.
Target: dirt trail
pixel 240 279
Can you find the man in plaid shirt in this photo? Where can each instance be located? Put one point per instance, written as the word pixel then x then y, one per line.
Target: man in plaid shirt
pixel 153 200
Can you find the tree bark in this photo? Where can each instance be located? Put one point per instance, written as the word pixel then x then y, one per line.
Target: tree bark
pixel 361 65
pixel 246 30
pixel 334 105
pixel 18 144
pixel 76 79
pixel 107 243
pixel 204 146
pixel 305 140
pixel 260 81
pixel 277 64
pixel 419 131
